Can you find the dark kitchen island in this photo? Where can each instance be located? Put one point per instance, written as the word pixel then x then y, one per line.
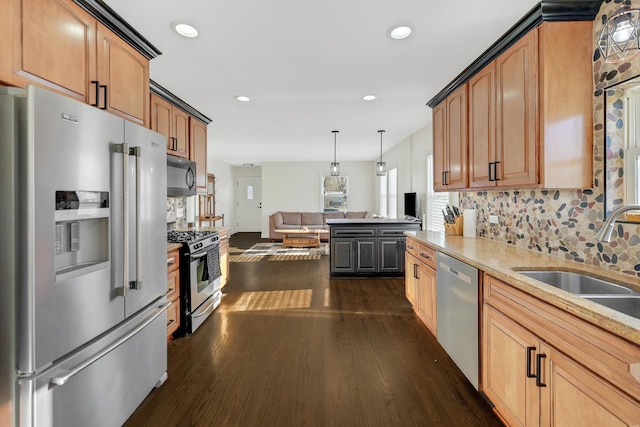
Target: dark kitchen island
pixel 368 247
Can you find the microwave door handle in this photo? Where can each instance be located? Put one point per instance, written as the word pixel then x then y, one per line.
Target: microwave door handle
pixel 190 178
pixel 137 284
pixel 124 149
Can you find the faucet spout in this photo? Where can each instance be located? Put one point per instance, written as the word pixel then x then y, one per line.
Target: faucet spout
pixel 605 232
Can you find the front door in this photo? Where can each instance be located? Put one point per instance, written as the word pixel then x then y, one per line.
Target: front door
pixel 249 203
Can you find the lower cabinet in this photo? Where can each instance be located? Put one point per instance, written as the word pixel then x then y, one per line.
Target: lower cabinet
pixel 173 292
pixel 420 282
pixel 352 255
pixel 391 254
pixel 543 366
pixel 363 249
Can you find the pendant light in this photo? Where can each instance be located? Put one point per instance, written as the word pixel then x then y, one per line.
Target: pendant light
pixel 619 38
pixel 381 167
pixel 335 166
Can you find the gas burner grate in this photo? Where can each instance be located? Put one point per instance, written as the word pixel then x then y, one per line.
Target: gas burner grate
pixel 187 236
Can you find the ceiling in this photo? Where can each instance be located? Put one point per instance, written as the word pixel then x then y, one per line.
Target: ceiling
pixel 306 65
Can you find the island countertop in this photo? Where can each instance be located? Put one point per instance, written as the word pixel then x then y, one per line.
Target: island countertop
pixel 502 261
pixel 369 221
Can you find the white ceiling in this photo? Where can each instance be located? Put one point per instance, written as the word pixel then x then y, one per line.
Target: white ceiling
pixel 306 65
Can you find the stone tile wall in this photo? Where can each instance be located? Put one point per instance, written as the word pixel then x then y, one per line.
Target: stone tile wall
pixel 563 222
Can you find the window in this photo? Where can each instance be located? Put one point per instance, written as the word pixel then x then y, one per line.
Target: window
pixel 392 192
pixel 436 202
pixel 389 194
pixel 383 195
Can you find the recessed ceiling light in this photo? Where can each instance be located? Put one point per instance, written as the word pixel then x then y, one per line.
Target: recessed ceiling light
pixel 186 30
pixel 400 32
pixel 369 97
pixel 243 98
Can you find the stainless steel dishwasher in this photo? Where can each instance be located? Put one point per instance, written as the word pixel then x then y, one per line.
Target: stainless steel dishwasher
pixel 457 303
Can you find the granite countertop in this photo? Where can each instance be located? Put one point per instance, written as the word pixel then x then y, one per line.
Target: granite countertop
pixel 218 229
pixel 502 261
pixel 351 221
pixel 173 246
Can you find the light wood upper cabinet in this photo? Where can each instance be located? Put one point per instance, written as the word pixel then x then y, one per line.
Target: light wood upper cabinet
pixel 516 114
pixel 180 126
pixel 450 142
pixel 482 113
pixel 173 123
pixel 57 45
pixel 529 115
pixel 198 151
pixel 123 74
pixel 53 46
pixel 161 118
pixel 439 148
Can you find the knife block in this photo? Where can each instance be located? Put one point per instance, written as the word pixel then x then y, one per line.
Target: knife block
pixel 454 229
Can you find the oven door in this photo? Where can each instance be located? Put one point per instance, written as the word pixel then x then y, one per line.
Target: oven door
pixel 201 285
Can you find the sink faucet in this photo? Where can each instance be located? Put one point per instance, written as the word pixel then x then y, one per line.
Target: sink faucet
pixel 604 234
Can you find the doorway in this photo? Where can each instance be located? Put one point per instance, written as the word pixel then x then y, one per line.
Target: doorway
pixel 249 203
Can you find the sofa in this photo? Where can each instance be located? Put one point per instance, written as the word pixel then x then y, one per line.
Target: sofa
pixel 313 220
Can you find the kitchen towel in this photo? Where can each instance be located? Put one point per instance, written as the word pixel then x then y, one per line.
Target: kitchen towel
pixel 470 217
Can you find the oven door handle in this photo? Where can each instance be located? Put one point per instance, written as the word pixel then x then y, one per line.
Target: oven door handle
pixel 204 311
pixel 200 255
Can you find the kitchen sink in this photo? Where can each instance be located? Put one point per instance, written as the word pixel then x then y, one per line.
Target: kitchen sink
pixel 577 283
pixel 628 304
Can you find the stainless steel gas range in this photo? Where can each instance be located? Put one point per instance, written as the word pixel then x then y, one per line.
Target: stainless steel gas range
pixel 200 276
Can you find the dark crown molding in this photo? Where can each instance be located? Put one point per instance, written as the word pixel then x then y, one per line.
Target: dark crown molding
pixel 109 18
pixel 171 98
pixel 545 11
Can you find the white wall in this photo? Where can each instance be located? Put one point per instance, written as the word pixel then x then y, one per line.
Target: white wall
pixel 410 157
pixel 225 196
pixel 295 186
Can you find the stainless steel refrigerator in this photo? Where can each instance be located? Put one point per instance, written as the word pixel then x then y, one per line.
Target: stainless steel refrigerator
pixel 83 297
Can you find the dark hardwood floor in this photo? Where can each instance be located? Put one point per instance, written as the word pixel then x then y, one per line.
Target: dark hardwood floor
pixel 290 347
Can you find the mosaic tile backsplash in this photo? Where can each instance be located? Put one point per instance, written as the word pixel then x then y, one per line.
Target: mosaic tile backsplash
pixel 563 222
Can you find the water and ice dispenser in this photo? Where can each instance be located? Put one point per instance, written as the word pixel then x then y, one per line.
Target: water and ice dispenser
pixel 81 233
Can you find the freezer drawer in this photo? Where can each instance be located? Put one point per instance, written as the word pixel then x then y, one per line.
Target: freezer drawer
pixel 106 392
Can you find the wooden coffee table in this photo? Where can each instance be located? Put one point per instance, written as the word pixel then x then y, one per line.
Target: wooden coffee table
pixel 301 237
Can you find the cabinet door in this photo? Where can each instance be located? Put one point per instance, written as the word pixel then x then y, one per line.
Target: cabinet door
pixel 456 139
pixel 516 113
pixel 439 146
pixel 180 131
pixel 507 349
pixel 198 141
pixel 426 296
pixel 574 396
pixel 391 251
pixel 410 278
pixel 54 46
pixel 161 119
pixel 482 128
pixel 342 255
pixel 365 255
pixel 125 72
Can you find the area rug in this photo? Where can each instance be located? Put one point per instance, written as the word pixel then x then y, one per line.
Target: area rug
pixel 275 252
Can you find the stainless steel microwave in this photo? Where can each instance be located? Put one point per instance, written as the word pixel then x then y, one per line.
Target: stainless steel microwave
pixel 181 177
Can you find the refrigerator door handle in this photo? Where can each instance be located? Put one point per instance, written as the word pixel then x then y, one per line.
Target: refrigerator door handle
pixel 137 284
pixel 124 149
pixel 62 379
